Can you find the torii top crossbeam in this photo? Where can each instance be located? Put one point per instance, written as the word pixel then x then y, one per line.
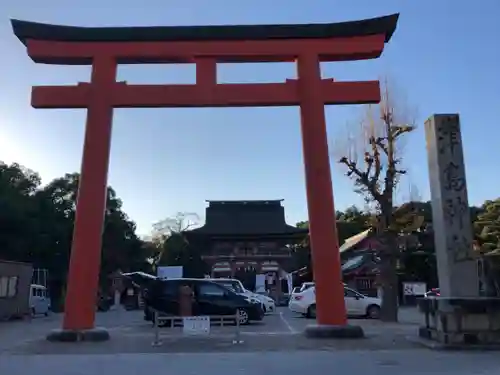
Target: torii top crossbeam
pixel 323 38
pixel 205 46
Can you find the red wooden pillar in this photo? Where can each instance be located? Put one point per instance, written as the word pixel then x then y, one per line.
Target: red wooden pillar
pixel 83 278
pixel 322 226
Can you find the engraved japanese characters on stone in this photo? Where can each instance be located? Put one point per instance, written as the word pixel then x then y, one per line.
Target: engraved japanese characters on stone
pixel 449 135
pixel 460 247
pixel 455 211
pixel 454 178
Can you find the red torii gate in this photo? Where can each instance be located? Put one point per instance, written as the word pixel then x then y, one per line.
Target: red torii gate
pixel 105 48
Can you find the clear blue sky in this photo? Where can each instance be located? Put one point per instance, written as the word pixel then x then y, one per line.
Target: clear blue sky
pixel 444 56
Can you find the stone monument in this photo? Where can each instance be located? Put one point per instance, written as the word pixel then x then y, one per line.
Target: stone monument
pixel 459 316
pixel 457 267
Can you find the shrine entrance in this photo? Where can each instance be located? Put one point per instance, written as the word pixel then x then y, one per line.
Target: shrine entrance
pixel 246 274
pixel 206 46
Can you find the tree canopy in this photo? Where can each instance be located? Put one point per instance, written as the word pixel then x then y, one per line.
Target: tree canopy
pixel 36 226
pixel 487 226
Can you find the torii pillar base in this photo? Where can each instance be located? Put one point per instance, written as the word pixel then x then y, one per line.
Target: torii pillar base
pixel 69 335
pixel 321 331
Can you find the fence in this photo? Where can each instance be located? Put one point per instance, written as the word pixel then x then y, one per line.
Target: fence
pixel 196 325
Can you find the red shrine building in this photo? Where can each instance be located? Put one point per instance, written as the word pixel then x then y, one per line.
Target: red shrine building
pixel 247 240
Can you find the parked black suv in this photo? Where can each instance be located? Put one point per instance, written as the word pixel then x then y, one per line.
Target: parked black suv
pixel 209 299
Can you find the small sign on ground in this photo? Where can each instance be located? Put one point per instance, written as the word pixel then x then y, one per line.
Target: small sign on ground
pixel 196 325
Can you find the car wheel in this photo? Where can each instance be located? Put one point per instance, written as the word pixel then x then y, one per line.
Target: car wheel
pixel 243 317
pixel 264 308
pixel 373 312
pixel 311 312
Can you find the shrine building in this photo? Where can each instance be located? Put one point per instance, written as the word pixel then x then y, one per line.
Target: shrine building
pixel 247 240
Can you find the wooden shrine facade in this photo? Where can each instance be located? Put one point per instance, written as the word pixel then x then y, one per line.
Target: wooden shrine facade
pixel 244 238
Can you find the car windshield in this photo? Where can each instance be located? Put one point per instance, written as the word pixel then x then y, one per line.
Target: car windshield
pixel 231 285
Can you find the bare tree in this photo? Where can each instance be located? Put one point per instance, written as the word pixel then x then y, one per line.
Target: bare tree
pixel 164 229
pixel 375 166
pixel 178 223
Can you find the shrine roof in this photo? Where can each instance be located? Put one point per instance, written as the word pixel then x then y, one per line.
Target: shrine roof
pixel 246 218
pixel 351 242
pixel 25 30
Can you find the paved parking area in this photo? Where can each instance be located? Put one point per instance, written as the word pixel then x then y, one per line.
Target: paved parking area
pixel 408 317
pixel 274 345
pixel 283 322
pixel 411 362
pixel 15 333
pixel 281 331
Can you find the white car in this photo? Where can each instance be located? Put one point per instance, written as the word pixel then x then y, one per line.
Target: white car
pixel 306 285
pixel 268 304
pixel 295 291
pixel 356 304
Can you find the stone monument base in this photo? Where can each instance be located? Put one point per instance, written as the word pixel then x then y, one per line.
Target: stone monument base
pixel 461 322
pixel 334 332
pixel 68 335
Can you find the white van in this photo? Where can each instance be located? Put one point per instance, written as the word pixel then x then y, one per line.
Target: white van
pixel 39 300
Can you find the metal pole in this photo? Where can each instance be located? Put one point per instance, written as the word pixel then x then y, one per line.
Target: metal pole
pixel 237 339
pixel 156 329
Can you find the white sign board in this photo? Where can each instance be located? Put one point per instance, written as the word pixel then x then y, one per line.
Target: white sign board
pixel 414 288
pixel 170 272
pixel 260 283
pixel 196 325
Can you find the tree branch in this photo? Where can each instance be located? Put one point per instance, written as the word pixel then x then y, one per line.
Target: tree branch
pixel 362 178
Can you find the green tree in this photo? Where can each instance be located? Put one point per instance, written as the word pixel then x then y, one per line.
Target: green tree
pixel 18 219
pixel 487 226
pixel 487 235
pixel 36 226
pixel 121 248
